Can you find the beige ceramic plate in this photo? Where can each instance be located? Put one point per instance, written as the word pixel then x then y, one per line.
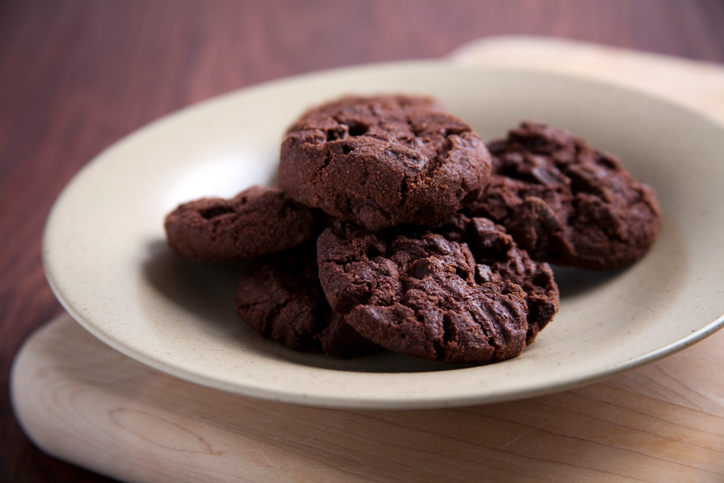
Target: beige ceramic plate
pixel 107 261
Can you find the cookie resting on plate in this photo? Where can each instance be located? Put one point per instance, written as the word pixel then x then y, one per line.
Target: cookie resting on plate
pixel 255 222
pixel 566 203
pixel 279 296
pixel 383 161
pixel 415 292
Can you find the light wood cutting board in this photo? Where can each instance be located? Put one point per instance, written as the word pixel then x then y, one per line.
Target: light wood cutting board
pixel 81 401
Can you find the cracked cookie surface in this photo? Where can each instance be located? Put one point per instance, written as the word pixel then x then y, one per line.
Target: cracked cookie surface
pixel 257 221
pixel 420 294
pixel 496 251
pixel 383 161
pixel 279 296
pixel 566 203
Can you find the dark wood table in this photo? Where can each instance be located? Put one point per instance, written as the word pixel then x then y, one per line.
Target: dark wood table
pixel 75 76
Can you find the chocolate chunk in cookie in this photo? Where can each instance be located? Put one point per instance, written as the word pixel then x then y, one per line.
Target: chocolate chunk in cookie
pixel 566 203
pixel 421 295
pixel 255 222
pixel 383 161
pixel 279 296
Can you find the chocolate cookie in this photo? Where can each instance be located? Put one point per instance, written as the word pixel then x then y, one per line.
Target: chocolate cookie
pixel 383 161
pixel 279 296
pixel 566 203
pixel 255 222
pixel 493 248
pixel 421 295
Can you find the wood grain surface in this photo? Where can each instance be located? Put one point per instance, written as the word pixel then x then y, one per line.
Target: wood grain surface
pixel 662 423
pixel 77 75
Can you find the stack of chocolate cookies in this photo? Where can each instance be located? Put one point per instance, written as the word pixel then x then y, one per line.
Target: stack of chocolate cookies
pixel 393 227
